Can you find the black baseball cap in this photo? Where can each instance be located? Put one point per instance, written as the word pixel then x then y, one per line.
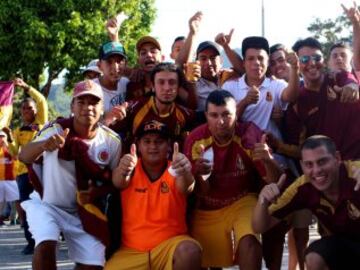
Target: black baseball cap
pixel 153 126
pixel 207 45
pixel 255 42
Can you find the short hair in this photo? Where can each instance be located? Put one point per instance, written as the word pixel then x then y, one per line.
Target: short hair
pixel 218 97
pixel 170 67
pixel 179 38
pixel 316 141
pixel 341 44
pixel 28 100
pixel 277 47
pixel 307 42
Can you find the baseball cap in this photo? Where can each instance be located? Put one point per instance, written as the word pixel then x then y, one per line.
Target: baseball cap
pixel 152 126
pixel 147 39
pixel 207 45
pixel 255 42
pixel 3 134
pixel 92 66
pixel 87 87
pixel 111 48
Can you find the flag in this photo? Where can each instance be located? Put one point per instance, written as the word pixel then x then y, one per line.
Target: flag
pixel 6 99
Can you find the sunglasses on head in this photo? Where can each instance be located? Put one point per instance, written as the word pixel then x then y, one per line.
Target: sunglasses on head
pixel 306 58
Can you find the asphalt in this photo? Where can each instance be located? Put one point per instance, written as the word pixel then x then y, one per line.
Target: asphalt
pixel 12 241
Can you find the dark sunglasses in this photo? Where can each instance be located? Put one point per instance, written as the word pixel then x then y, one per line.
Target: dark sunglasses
pixel 306 58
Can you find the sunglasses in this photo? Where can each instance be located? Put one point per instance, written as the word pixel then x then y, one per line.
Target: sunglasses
pixel 307 58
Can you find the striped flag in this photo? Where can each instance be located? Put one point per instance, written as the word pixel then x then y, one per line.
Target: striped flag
pixel 6 99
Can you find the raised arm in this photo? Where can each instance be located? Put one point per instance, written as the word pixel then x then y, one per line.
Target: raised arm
pixel 186 51
pixel 353 15
pixel 41 103
pixel 235 59
pixel 113 26
pixel 262 220
pixel 291 92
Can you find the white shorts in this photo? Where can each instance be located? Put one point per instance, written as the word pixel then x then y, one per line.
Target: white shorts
pixel 9 191
pixel 47 221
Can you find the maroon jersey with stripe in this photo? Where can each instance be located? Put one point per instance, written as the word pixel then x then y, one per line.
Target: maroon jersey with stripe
pixel 321 112
pixel 234 173
pixel 342 218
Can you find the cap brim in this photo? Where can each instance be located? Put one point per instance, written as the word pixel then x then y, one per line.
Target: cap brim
pixel 90 93
pixel 106 56
pixel 145 40
pixel 95 69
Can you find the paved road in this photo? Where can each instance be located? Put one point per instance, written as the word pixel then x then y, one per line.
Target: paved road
pixel 12 242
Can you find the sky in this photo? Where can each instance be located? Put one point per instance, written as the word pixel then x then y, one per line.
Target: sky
pixel 285 20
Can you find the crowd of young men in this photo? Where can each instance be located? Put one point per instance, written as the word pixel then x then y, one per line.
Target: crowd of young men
pixel 196 164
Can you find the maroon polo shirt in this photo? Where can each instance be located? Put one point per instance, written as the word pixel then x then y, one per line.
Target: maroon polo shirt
pixel 320 112
pixel 342 218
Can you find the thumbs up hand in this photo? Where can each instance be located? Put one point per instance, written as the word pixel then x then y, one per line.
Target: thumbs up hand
pixel 261 150
pixel 180 164
pixel 271 192
pixel 252 96
pixel 128 162
pixel 56 141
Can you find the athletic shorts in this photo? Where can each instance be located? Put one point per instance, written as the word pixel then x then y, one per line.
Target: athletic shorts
pixel 47 221
pixel 9 191
pixel 338 252
pixel 219 231
pixel 160 257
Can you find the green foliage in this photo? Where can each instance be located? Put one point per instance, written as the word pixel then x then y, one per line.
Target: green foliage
pixel 53 35
pixel 330 31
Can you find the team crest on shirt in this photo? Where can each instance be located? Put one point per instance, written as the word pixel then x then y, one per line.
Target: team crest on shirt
pixel 164 188
pixel 353 211
pixel 103 155
pixel 269 96
pixel 240 163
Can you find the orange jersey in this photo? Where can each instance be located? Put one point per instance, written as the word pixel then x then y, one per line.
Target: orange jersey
pixel 152 211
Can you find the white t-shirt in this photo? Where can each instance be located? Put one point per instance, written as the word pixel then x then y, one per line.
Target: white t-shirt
pixel 114 97
pixel 270 97
pixel 58 176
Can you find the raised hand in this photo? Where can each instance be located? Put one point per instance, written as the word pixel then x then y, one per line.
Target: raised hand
pixel 195 21
pixel 113 25
pixel 224 39
pixel 271 192
pixel 180 164
pixel 261 150
pixel 20 83
pixel 352 13
pixel 252 96
pixel 292 59
pixel 55 141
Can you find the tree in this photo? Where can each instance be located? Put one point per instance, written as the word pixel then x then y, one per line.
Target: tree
pixel 330 31
pixel 53 35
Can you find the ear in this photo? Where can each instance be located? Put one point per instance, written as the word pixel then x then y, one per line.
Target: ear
pixel 162 58
pixel 99 64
